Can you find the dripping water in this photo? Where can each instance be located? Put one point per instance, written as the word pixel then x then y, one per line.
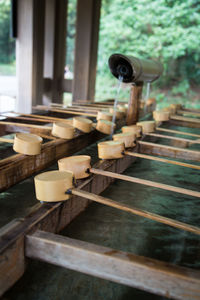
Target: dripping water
pixel 120 78
pixel 147 91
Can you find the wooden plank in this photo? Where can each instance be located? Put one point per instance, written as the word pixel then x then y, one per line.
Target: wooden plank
pixel 169 151
pixel 87 29
pixel 29 53
pixel 12 263
pixel 125 268
pixel 52 217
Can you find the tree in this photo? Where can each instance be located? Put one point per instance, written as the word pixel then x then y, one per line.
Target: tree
pixel 7 44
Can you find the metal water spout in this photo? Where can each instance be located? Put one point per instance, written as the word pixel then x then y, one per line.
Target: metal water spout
pixel 134 71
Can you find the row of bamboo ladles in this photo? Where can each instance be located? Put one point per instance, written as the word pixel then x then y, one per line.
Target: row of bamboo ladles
pixel 30 144
pixel 58 185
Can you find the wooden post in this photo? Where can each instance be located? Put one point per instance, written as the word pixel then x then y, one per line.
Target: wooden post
pixel 55 50
pixel 87 29
pixel 134 105
pixel 29 53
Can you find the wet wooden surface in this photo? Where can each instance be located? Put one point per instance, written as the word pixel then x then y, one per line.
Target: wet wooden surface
pixel 111 228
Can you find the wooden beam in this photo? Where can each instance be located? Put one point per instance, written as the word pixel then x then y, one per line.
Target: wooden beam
pixel 55 49
pixel 134 104
pixel 51 217
pixel 125 268
pixel 185 122
pixel 168 151
pixel 67 85
pixel 86 44
pixel 29 54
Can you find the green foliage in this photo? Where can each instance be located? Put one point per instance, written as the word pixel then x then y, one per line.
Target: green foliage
pixel 158 29
pixel 7 45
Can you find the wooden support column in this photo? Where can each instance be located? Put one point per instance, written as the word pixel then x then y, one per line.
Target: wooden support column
pixel 29 53
pixel 55 50
pixel 87 32
pixel 134 104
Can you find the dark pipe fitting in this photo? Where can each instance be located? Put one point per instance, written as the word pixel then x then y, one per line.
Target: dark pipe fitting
pixel 134 70
pixel 68 192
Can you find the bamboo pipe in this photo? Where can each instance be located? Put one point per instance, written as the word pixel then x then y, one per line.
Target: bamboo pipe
pixel 146 182
pixel 173 162
pixel 177 131
pixel 135 211
pixel 56 186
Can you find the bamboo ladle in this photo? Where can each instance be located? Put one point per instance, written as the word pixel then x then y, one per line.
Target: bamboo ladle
pixel 25 143
pixel 149 128
pixel 56 186
pixel 128 137
pixel 81 168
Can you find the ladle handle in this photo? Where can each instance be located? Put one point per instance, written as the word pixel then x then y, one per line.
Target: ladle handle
pixel 177 131
pixel 4 140
pixel 146 182
pixel 64 111
pixel 168 161
pixel 136 211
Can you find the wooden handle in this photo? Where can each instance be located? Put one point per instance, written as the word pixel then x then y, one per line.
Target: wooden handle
pixel 178 132
pixel 146 182
pixel 173 138
pixel 44 118
pixel 4 140
pixel 173 162
pixel 26 125
pixel 190 113
pixel 64 111
pixel 184 119
pixel 136 211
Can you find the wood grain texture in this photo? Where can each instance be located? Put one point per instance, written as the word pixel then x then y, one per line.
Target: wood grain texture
pixel 177 132
pixel 168 151
pixel 160 159
pixel 52 218
pixel 147 182
pixel 135 211
pixel 30 53
pixel 86 43
pixel 133 105
pixel 126 268
pixel 23 166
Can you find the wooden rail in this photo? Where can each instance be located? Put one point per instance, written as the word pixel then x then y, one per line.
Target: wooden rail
pixel 125 268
